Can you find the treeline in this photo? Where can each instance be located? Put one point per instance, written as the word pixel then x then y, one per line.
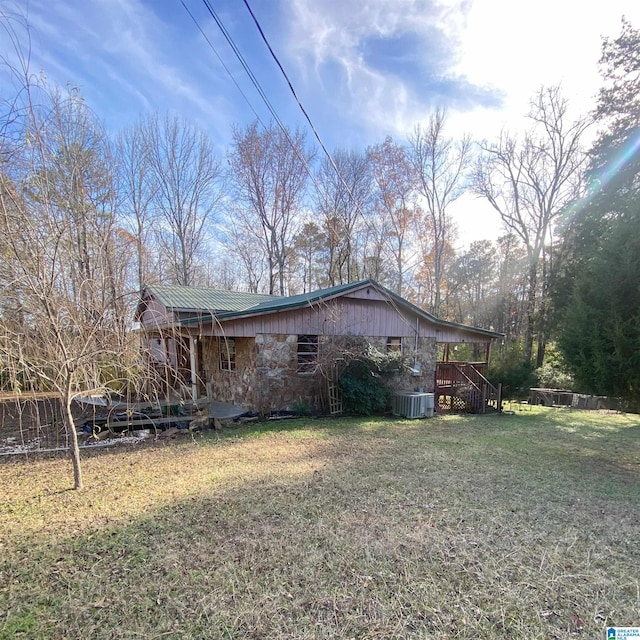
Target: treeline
pixel 274 216
pixel 88 218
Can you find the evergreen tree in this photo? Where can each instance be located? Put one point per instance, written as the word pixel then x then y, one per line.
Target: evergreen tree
pixel 599 295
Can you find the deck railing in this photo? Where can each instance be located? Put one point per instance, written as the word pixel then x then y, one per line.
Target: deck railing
pixel 464 386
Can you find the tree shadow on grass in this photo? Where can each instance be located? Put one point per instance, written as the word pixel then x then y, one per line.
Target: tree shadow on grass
pixel 383 536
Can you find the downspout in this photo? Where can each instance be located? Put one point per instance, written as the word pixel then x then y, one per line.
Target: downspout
pixel 416 371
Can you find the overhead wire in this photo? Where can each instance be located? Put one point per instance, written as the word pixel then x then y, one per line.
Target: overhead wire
pixel 263 95
pixel 315 132
pixel 221 61
pixel 304 111
pixel 255 82
pixel 259 89
pixel 241 59
pixel 330 158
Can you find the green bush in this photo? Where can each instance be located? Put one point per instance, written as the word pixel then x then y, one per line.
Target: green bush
pixel 364 379
pixel 554 373
pixel 509 368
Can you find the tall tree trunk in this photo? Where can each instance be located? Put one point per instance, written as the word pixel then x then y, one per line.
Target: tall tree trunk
pixel 437 281
pixel 542 347
pixel 531 311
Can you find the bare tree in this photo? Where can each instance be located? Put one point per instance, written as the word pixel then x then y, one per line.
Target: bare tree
pixel 341 201
pixel 440 164
pixel 531 182
pixel 137 187
pixel 187 189
pixel 395 203
pixel 62 258
pixel 242 241
pixel 269 172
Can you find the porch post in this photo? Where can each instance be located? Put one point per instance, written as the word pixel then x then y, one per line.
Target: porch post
pixel 194 373
pixel 166 362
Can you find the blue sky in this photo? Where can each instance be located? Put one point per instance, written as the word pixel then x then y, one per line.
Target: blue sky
pixel 362 69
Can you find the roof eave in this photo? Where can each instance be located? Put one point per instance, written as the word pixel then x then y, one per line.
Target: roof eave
pixel 427 316
pixel 318 296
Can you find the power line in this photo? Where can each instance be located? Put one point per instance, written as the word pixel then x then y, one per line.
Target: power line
pixel 242 61
pixel 254 81
pixel 306 115
pixel 221 61
pixel 245 65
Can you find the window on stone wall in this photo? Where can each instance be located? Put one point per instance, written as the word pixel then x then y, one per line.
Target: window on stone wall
pixel 227 348
pixel 394 344
pixel 307 353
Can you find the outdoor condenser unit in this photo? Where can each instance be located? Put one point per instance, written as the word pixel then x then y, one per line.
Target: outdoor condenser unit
pixel 412 404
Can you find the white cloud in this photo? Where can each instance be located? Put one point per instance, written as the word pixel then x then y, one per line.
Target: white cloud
pixel 328 40
pixel 129 56
pixel 512 48
pixel 518 47
pixel 125 57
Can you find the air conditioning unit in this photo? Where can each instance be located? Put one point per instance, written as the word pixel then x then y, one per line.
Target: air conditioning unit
pixel 412 404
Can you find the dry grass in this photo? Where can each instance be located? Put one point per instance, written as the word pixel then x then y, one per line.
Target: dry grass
pixel 522 526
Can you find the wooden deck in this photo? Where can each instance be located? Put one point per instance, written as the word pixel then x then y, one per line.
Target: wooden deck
pixel 463 386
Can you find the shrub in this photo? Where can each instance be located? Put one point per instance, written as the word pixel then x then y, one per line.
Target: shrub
pixel 516 375
pixel 554 373
pixel 364 380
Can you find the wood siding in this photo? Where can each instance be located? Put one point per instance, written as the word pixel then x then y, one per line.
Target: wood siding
pixel 155 315
pixel 367 293
pixel 343 316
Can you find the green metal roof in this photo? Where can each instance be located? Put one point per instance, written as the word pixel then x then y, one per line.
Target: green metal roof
pixel 201 299
pixel 229 304
pixel 278 303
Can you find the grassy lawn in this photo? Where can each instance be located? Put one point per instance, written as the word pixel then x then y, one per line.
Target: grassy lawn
pixel 517 526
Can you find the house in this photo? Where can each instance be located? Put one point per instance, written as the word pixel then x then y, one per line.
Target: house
pixel 267 352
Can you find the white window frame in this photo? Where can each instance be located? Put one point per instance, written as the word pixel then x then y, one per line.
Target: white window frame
pixel 307 353
pixel 227 349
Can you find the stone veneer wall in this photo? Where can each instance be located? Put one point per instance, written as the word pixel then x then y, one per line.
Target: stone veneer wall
pixel 266 377
pixel 237 386
pixel 427 355
pixel 278 383
pixel 426 359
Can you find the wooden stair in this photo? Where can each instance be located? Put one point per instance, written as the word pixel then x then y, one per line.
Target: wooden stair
pixel 462 386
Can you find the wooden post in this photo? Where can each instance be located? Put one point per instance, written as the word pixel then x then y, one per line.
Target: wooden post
pixel 194 372
pixel 167 368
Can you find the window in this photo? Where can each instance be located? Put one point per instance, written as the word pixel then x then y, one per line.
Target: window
pixel 394 344
pixel 157 350
pixel 227 347
pixel 307 353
